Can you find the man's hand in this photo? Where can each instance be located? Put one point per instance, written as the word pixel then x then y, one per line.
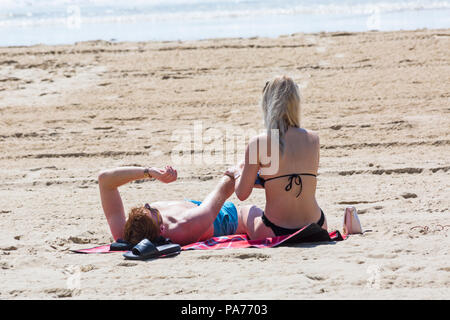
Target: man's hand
pixel 233 172
pixel 166 175
pixel 236 170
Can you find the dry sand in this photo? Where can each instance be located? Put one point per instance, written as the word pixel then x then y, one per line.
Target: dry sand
pixel 380 102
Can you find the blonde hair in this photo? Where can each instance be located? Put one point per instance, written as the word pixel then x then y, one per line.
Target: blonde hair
pixel 281 106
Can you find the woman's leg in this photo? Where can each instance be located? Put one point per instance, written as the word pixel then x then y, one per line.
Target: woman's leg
pixel 250 222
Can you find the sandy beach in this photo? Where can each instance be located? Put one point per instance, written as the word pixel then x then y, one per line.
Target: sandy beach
pixel 380 102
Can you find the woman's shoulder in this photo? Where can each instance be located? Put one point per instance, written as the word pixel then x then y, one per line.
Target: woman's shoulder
pixel 263 137
pixel 310 135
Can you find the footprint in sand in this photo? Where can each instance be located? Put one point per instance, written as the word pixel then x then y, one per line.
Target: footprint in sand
pixel 60 292
pixel 381 256
pixel 408 195
pixel 257 256
pixel 243 256
pixel 8 248
pixel 127 264
pixel 316 277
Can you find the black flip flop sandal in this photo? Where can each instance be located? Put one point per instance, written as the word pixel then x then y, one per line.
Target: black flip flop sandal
pixel 147 250
pixel 120 245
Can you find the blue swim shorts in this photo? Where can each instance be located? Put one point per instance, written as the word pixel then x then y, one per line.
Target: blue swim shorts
pixel 226 221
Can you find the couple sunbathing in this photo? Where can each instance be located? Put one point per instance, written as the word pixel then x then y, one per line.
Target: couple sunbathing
pixel 290 193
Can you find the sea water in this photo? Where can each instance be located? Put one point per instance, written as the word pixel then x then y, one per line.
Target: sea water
pixel 29 22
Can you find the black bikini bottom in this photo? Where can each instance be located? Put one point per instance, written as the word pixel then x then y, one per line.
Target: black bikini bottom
pixel 279 231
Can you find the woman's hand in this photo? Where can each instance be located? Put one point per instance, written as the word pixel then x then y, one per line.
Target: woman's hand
pixel 166 175
pixel 231 172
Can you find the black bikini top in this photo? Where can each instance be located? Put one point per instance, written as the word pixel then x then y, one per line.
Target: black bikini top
pixel 293 178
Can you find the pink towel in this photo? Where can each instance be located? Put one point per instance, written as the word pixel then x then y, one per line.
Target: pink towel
pixel 309 233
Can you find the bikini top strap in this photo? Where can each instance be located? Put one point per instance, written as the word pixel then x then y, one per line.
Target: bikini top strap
pixel 293 178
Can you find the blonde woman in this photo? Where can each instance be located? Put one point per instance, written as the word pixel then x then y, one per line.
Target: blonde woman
pixel 290 189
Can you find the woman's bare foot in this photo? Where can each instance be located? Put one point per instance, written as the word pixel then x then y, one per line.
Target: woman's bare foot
pixel 351 224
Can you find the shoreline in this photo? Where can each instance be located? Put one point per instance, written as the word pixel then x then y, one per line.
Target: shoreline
pixel 220 39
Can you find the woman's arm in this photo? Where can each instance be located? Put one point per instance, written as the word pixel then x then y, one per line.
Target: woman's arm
pixel 246 181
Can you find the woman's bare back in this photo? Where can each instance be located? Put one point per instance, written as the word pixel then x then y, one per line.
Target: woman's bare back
pixel 297 206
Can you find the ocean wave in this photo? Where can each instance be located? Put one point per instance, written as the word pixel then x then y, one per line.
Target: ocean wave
pixel 184 10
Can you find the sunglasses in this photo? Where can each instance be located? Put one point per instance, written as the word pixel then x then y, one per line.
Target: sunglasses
pixel 153 213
